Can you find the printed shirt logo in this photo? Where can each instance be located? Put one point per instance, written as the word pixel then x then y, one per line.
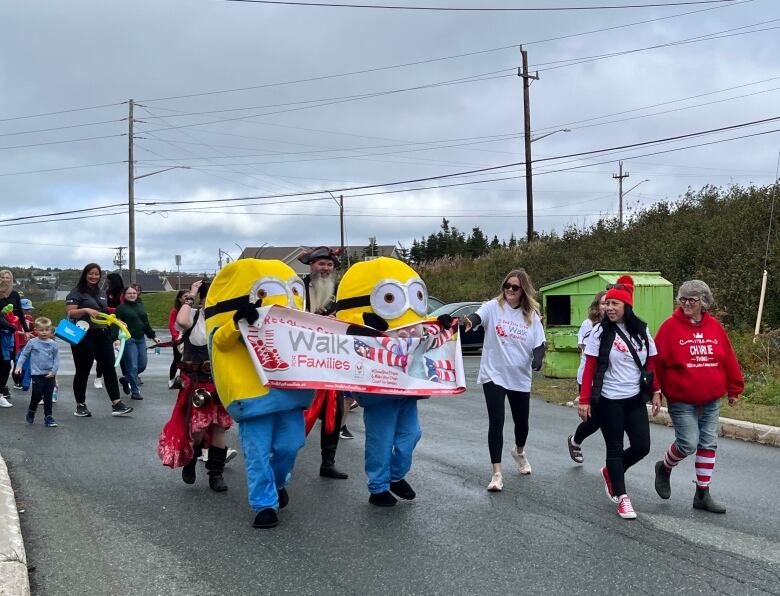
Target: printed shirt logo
pixel 701 352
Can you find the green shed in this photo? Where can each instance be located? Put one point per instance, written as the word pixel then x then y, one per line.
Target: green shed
pixel 565 305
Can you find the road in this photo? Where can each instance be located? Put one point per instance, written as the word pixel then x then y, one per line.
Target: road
pixel 103 516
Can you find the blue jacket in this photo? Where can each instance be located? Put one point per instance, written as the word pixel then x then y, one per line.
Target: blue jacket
pixel 44 356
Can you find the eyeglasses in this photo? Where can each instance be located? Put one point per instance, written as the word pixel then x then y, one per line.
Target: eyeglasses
pixel 682 300
pixel 513 287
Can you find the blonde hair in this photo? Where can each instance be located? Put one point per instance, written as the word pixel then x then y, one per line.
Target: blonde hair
pixel 528 302
pixel 43 323
pixel 6 288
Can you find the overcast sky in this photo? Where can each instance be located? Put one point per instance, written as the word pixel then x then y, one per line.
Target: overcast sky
pixel 272 139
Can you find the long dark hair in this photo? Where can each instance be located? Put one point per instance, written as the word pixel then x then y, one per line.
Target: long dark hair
pixel 177 302
pixel 636 327
pixel 83 286
pixel 115 287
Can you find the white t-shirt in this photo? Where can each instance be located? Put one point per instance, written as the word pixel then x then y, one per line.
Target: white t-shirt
pixel 198 336
pixel 582 336
pixel 621 380
pixel 508 348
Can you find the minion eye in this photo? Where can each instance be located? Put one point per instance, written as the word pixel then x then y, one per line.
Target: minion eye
pixel 388 299
pixel 296 287
pixel 267 288
pixel 418 297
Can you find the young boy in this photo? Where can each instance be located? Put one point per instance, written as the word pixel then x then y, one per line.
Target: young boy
pixel 44 356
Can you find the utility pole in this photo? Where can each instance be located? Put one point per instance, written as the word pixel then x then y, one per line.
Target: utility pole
pixel 130 196
pixel 619 177
pixel 119 259
pixel 219 254
pixel 341 221
pixel 529 191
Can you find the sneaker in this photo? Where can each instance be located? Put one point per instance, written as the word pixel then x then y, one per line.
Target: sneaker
pixel 354 405
pixel 30 417
pixel 608 486
pixel 125 385
pixel 82 411
pixel 575 451
pixel 120 409
pixel 231 453
pixel 4 403
pixel 625 509
pixel 345 434
pixel 401 489
pixel 663 486
pixel 17 385
pixel 98 383
pixel 4 392
pixel 496 484
pixel 49 422
pixel 136 396
pixel 523 467
pixel 204 456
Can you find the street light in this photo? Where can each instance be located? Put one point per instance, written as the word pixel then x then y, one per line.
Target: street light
pixel 550 133
pixel 131 205
pixel 635 185
pixel 340 203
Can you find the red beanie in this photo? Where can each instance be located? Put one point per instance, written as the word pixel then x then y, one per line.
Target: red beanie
pixel 622 290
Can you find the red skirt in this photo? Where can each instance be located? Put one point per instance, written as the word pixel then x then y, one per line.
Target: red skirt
pixel 175 446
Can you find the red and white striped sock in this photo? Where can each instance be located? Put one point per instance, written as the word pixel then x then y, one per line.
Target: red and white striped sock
pixel 705 462
pixel 673 456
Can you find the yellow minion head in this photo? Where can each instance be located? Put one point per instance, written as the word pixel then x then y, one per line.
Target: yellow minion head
pixel 248 280
pixel 386 287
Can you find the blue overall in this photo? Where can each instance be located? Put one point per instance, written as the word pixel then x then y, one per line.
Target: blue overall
pixel 392 432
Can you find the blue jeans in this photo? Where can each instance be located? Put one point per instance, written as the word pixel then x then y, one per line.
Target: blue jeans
pixel 270 443
pixel 392 432
pixel 134 359
pixel 695 427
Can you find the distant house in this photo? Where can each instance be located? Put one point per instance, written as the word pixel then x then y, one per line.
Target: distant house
pixel 182 282
pixel 149 283
pixel 290 254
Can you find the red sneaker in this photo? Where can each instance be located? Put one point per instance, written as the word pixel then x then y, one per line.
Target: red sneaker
pixel 625 509
pixel 267 359
pixel 280 364
pixel 608 486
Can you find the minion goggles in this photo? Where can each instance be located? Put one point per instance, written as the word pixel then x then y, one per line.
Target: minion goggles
pixel 390 298
pixel 266 287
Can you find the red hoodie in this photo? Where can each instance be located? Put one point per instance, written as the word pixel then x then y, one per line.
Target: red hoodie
pixel 696 363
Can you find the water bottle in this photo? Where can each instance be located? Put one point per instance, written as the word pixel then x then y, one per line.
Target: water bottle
pixel 157 350
pixel 54 394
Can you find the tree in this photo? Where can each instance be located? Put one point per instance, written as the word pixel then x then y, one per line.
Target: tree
pixel 477 243
pixel 494 244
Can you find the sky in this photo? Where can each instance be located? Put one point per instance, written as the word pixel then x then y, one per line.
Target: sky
pixel 273 105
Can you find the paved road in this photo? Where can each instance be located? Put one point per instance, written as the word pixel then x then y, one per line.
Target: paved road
pixel 102 516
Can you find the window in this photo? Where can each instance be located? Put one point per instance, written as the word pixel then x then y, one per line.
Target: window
pixel 558 311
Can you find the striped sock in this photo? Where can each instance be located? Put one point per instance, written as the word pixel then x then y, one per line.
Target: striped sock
pixel 673 456
pixel 705 462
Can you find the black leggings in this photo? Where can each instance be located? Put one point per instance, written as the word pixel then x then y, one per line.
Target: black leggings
pixel 519 402
pixel 5 371
pixel 585 429
pixel 618 416
pixel 96 346
pixel 176 360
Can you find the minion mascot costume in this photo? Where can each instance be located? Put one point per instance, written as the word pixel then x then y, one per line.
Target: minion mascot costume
pixel 270 420
pixel 386 293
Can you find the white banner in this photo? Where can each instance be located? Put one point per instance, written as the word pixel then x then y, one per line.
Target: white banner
pixel 292 349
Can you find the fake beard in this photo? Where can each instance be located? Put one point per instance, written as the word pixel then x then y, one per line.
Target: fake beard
pixel 321 292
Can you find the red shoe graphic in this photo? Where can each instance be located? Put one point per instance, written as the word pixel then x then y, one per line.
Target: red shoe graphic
pixel 280 364
pixel 270 360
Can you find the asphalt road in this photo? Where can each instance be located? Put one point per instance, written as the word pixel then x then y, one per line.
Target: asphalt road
pixel 101 515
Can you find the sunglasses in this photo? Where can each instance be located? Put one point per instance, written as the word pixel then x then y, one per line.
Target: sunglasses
pixel 616 287
pixel 513 287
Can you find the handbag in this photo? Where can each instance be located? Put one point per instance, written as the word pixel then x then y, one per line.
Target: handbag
pixel 646 377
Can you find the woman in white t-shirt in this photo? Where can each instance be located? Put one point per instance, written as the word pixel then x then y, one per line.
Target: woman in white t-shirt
pixel 514 345
pixel 611 388
pixel 586 428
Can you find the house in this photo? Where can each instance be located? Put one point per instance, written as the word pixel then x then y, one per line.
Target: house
pixel 149 283
pixel 182 282
pixel 290 254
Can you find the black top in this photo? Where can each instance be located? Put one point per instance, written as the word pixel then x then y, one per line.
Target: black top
pixel 81 299
pixel 16 300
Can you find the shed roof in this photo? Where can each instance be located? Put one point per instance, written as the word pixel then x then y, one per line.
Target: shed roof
pixel 641 278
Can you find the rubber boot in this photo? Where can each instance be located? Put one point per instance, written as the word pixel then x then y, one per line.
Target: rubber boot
pixel 215 465
pixel 328 468
pixel 702 500
pixel 188 471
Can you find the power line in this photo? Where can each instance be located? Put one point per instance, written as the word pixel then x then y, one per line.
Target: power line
pixel 106 105
pixel 442 58
pixel 88 165
pixel 479 9
pixel 124 134
pixel 28 132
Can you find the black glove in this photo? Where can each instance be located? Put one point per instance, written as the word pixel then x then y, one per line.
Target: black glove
pixel 538 358
pixel 374 320
pixel 445 321
pixel 248 311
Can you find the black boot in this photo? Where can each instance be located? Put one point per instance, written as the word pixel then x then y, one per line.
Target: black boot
pixel 703 500
pixel 188 471
pixel 328 468
pixel 215 465
pixel 663 486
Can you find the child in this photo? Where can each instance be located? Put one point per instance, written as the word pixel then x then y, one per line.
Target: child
pixel 44 356
pixel 23 381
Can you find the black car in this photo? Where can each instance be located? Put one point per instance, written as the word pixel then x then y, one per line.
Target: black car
pixel 470 341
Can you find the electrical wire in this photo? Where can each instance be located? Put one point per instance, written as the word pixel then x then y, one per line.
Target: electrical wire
pixel 29 132
pixel 88 165
pixel 124 134
pixel 68 111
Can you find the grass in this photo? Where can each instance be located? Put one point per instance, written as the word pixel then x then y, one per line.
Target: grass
pixel 562 391
pixel 157 307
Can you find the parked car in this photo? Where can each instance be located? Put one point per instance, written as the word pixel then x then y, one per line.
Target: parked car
pixel 434 303
pixel 470 341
